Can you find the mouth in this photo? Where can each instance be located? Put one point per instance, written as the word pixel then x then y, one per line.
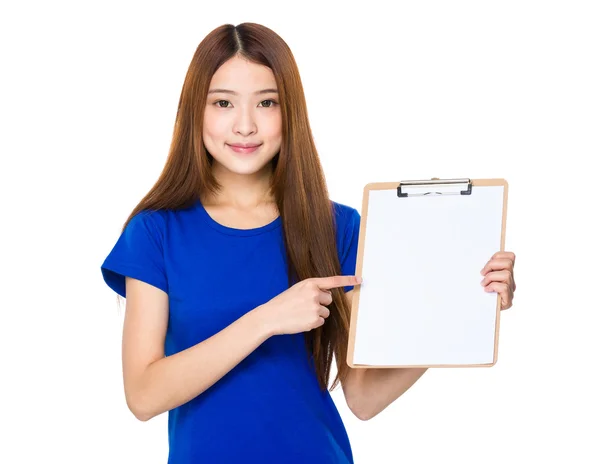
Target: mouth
pixel 244 150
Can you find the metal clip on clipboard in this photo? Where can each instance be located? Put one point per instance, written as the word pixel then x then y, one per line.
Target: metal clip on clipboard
pixel 435 186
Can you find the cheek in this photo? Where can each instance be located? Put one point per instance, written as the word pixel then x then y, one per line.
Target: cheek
pixel 273 128
pixel 213 127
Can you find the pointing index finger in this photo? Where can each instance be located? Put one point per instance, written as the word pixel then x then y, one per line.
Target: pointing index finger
pixel 325 283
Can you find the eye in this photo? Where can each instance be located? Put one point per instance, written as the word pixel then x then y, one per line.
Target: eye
pixel 272 101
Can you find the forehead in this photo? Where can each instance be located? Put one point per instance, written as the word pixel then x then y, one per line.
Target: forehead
pixel 242 76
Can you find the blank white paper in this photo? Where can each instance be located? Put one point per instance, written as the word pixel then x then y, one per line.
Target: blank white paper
pixel 421 301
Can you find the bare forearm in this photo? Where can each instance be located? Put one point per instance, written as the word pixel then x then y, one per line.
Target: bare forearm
pixel 381 387
pixel 175 380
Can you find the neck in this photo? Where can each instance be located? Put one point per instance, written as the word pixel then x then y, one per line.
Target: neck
pixel 242 191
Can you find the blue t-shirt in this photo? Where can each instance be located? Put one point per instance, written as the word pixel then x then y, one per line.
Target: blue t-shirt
pixel 268 408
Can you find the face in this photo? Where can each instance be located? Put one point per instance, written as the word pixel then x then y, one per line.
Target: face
pixel 242 108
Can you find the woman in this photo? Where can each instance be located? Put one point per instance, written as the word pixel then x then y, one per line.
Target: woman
pixel 237 269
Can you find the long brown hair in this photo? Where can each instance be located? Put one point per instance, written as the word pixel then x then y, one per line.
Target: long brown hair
pixel 297 184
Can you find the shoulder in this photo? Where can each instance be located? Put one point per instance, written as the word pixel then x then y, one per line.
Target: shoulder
pixel 347 223
pixel 159 221
pixel 345 216
pixel 147 216
pixel 150 222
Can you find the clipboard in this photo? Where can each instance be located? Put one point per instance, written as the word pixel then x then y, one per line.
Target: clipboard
pixel 421 247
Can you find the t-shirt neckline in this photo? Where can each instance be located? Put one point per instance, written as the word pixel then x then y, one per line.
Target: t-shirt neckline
pixel 231 230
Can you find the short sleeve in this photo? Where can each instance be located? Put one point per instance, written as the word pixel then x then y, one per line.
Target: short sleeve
pixel 349 246
pixel 138 253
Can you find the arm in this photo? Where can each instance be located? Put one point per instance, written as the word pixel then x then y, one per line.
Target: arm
pixel 369 391
pixel 155 383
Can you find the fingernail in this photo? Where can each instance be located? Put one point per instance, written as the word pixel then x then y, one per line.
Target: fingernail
pixel 359 279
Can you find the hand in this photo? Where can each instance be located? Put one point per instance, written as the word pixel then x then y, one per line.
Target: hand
pixel 302 307
pixel 499 277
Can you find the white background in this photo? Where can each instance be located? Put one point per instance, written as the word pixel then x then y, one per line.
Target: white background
pixel 395 90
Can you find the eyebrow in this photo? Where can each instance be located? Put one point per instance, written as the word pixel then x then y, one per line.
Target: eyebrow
pixel 259 92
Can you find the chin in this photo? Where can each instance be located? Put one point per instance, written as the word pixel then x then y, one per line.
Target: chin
pixel 244 167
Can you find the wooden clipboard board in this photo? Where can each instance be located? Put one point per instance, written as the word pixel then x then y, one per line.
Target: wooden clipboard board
pixel 396 320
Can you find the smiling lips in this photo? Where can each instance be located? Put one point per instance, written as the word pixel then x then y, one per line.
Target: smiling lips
pixel 244 147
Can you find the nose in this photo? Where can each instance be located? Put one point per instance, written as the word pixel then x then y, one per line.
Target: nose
pixel 244 123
